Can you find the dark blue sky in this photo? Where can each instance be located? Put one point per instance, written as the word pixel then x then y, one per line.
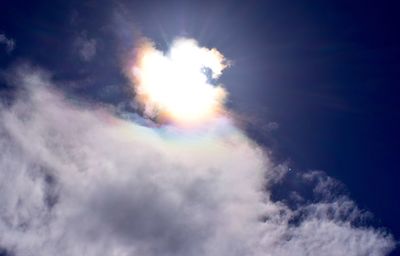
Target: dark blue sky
pixel 325 71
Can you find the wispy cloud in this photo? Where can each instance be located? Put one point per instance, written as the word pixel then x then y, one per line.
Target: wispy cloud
pixel 8 43
pixel 85 46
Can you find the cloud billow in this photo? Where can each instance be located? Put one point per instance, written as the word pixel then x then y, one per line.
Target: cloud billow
pixel 81 181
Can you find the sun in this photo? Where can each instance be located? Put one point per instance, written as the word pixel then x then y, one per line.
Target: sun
pixel 176 86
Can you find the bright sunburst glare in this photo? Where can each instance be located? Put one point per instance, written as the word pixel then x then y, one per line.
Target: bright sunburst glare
pixel 175 85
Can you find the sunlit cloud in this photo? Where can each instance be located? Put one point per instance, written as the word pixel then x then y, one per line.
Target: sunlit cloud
pixel 176 86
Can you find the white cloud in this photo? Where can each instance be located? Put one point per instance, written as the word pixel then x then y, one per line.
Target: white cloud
pixel 9 43
pixel 79 181
pixel 86 47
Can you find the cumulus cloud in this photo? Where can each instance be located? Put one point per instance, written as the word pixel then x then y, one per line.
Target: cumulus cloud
pixel 81 181
pixel 8 43
pixel 86 47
